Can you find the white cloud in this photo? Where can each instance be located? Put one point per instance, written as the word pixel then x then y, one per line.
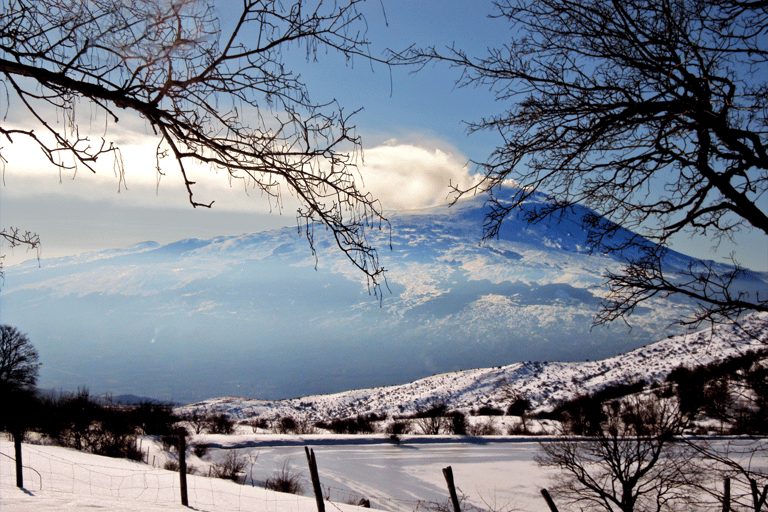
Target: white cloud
pixel 402 175
pixel 405 176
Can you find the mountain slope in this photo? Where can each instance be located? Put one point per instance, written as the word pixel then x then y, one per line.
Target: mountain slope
pixel 250 315
pixel 543 383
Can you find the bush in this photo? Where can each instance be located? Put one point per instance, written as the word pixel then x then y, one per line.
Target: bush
pixel 431 425
pixel 357 425
pixel 457 423
pixel 221 424
pixel 257 423
pixel 200 450
pixel 486 428
pixel 173 465
pixel 519 407
pixel 286 425
pixel 434 411
pixel 399 427
pixel 487 410
pixel 170 442
pixel 285 480
pixel 154 419
pixel 198 421
pixel 230 467
pixel 111 434
pixel 79 421
pixel 519 429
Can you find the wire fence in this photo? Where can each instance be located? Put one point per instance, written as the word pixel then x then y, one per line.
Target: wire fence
pixel 61 470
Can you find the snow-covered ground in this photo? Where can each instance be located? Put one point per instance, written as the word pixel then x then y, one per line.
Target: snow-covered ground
pixel 59 479
pixel 494 475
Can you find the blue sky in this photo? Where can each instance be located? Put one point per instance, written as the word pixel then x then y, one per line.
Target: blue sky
pixel 411 126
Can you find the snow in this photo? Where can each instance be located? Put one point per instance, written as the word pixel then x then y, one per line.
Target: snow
pixel 61 479
pixel 495 473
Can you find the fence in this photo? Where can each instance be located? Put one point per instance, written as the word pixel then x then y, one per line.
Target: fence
pixel 59 471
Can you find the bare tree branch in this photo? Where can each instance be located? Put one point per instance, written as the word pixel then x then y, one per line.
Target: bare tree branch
pixel 225 100
pixel 653 113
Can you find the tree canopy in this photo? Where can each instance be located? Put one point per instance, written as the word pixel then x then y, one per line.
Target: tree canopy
pixel 19 361
pixel 226 99
pixel 651 112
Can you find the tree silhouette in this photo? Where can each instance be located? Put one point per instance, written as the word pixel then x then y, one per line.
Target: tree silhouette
pixel 650 112
pixel 19 361
pixel 228 100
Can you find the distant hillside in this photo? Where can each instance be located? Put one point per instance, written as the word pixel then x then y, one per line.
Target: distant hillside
pixel 543 383
pixel 250 315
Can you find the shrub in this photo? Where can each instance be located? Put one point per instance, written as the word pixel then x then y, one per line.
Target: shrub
pixel 170 442
pixel 173 465
pixel 399 427
pixel 518 429
pixel 485 428
pixel 519 407
pixel 432 420
pixel 257 423
pixel 154 419
pixel 230 467
pixel 357 425
pixel 358 501
pixel 200 449
pixel 457 423
pixel 431 425
pixel 197 420
pixel 488 410
pixel 221 424
pixel 286 425
pixel 285 480
pixel 79 421
pixel 111 434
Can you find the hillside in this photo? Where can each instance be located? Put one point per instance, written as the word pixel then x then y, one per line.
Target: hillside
pixel 543 383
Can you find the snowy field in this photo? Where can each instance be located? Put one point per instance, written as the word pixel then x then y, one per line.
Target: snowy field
pixel 493 475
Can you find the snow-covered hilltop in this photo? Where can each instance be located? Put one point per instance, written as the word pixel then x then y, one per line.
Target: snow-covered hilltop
pixel 543 383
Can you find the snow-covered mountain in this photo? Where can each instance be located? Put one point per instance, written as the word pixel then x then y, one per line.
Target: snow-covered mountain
pixel 543 383
pixel 250 315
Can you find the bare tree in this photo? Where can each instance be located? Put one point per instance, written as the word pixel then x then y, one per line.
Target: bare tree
pixel 650 112
pixel 630 464
pixel 19 361
pixel 226 100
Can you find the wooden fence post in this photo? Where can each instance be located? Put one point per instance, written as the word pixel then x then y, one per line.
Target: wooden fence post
pixel 315 479
pixel 726 494
pixel 183 467
pixel 17 435
pixel 548 499
pixel 448 474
